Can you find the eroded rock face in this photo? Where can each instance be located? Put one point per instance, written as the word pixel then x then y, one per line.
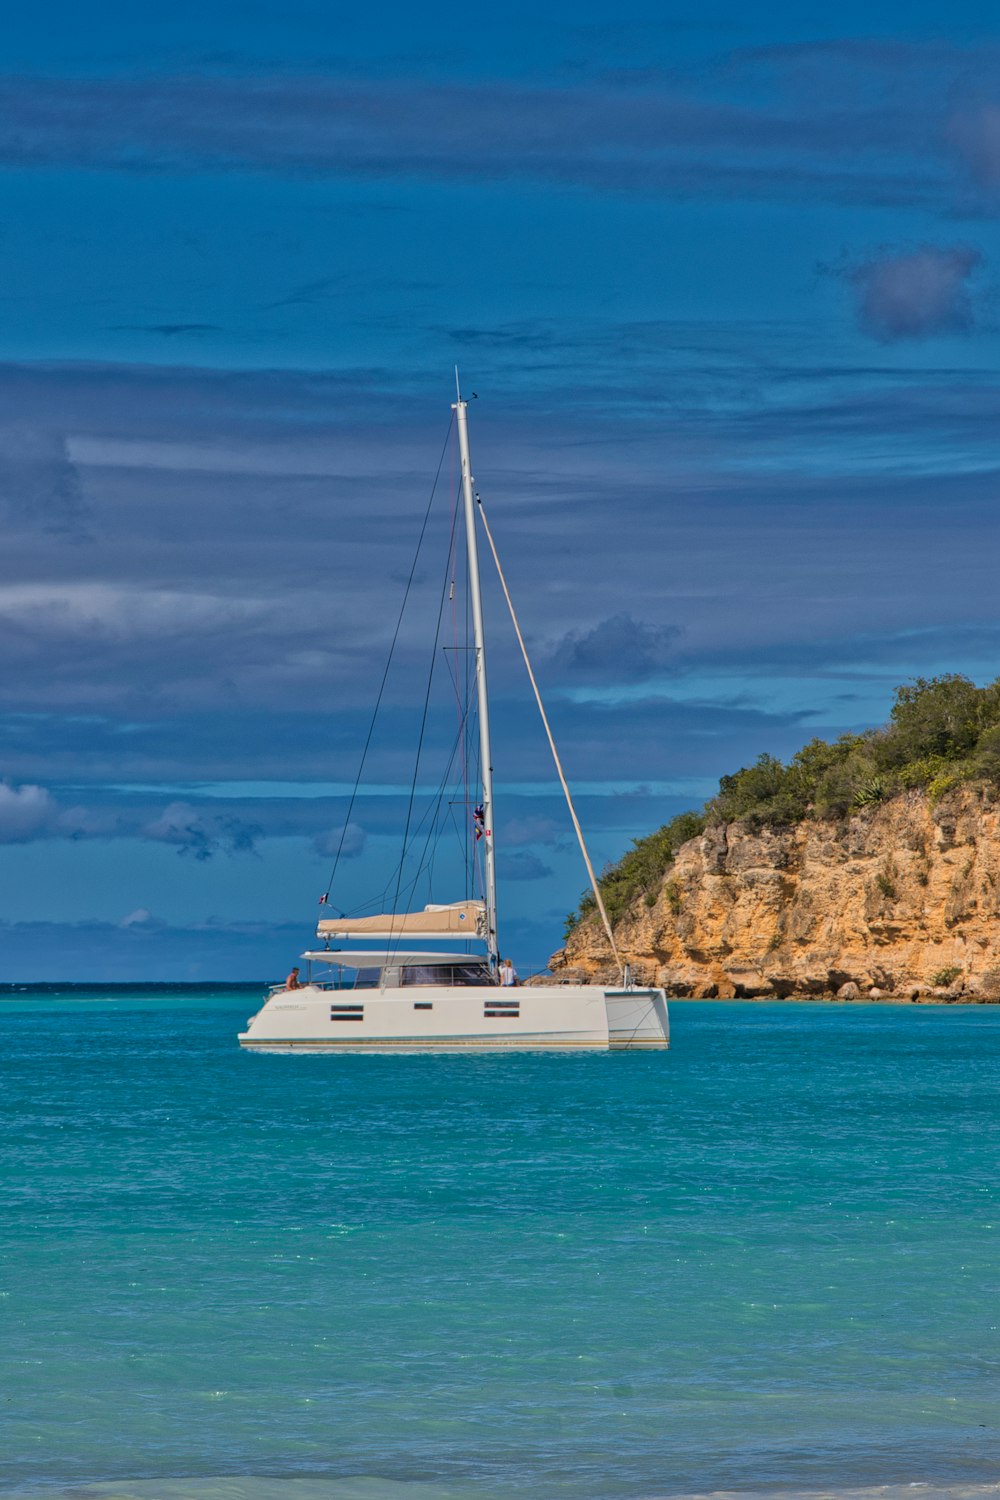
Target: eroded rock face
pixel 902 899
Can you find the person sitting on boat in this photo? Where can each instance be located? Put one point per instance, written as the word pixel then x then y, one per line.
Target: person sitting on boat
pixel 508 974
pixel 292 982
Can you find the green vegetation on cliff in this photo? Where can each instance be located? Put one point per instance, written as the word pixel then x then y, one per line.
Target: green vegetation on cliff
pixel 942 731
pixel 640 869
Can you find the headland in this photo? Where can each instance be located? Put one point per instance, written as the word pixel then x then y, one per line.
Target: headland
pixel 864 869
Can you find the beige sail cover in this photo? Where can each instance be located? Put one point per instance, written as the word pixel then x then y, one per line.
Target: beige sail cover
pixel 463 919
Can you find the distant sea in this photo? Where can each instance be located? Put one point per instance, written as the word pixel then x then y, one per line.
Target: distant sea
pixel 766 1261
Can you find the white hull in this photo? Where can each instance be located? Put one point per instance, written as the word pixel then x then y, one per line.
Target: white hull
pixel 477 1018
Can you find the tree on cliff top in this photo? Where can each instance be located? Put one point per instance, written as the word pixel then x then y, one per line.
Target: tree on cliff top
pixel 942 731
pixel 941 716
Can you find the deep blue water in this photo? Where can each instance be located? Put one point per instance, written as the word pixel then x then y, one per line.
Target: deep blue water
pixel 766 1259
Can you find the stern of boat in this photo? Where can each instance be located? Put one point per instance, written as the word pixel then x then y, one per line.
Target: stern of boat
pixel 637 1018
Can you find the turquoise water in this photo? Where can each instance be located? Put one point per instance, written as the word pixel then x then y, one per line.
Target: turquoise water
pixel 765 1260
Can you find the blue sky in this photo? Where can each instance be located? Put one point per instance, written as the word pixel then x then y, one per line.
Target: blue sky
pixel 726 283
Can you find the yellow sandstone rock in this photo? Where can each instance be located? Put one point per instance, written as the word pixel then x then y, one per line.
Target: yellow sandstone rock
pixel 902 899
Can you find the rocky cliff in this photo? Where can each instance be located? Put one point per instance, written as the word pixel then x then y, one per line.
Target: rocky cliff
pixel 898 901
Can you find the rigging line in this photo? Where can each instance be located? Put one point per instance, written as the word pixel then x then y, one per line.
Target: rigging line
pixel 428 853
pixel 455 602
pixel 423 729
pixel 472 788
pixel 552 745
pixel 434 802
pixel 461 701
pixel 445 822
pixel 420 745
pixel 392 648
pixel 443 787
pixel 459 834
pixel 441 815
pixel 476 869
pixel 426 860
pixel 471 658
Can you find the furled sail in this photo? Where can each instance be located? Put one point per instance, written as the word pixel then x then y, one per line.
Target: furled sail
pixel 462 919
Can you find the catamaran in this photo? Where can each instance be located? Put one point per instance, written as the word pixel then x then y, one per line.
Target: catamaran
pixel 398 995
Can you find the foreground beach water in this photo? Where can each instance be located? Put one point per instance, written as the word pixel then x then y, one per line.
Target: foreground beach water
pixel 765 1261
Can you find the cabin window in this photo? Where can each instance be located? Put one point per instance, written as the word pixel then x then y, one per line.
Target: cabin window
pixel 446 974
pixel 502 1010
pixel 423 1005
pixel 365 979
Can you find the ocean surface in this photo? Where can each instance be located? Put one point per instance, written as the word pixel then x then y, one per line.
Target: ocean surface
pixel 766 1261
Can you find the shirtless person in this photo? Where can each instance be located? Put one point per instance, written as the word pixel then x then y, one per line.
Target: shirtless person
pixel 292 982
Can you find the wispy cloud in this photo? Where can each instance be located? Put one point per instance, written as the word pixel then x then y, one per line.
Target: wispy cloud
pixel 522 865
pixel 169 330
pixel 974 131
pixel 39 483
pixel 917 293
pixel 141 918
pixel 533 828
pixel 195 832
pixel 29 813
pixel 308 293
pixel 137 948
pixel 618 648
pixel 25 812
pixel 344 842
pixel 842 124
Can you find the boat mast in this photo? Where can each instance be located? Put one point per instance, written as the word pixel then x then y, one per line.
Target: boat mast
pixel 468 493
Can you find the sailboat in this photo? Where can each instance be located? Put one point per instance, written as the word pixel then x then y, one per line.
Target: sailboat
pixel 398 994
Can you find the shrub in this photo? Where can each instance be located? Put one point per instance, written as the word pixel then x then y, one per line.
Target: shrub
pixel 766 792
pixel 945 977
pixel 938 716
pixel 946 780
pixel 673 894
pixel 942 732
pixel 987 755
pixel 586 907
pixel 871 792
pixel 920 773
pixel 641 869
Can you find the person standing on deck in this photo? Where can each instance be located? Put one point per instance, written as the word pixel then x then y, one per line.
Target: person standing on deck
pixel 508 974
